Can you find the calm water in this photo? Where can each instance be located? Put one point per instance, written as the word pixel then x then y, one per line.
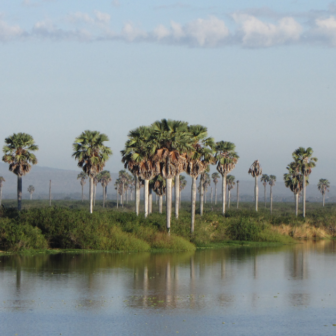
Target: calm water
pixel 235 291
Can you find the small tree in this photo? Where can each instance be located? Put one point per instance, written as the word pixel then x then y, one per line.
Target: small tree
pixel 265 179
pixel 230 180
pixel 31 190
pixel 323 186
pixel 255 171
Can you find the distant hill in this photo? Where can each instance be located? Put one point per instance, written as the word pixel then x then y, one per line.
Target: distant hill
pixel 65 184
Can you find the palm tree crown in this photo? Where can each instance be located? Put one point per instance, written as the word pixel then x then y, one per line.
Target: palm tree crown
pixel 272 180
pixel 323 186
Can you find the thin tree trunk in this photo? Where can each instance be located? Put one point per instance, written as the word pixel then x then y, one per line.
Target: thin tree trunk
pixel 323 199
pixel 224 191
pixel 156 199
pixel 169 202
pixel 82 193
pixel 0 194
pixel 160 204
pixel 229 200
pixel 201 195
pixel 296 204
pixel 265 195
pixel 205 196
pixel 104 197
pixel 271 199
pixel 238 195
pixel 137 195
pixel 127 196
pixel 91 194
pixel 94 194
pixel 50 193
pixel 177 195
pixel 146 198
pixel 256 193
pixel 105 194
pixel 304 197
pixel 150 201
pixel 193 204
pixel 216 194
pixel 122 196
pixel 211 195
pixel 117 199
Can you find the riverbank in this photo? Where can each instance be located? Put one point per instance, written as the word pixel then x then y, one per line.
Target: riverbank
pixel 61 228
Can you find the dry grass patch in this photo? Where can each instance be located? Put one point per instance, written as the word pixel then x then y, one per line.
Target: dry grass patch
pixel 304 231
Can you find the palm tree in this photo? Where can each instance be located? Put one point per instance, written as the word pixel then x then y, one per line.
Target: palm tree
pixel 131 186
pixel 1 185
pixel 202 185
pixel 95 183
pixel 18 153
pixel 82 176
pixel 159 187
pixel 294 181
pixel 227 159
pixel 206 184
pixel 92 154
pixel 198 161
pixel 304 162
pixel 323 186
pixel 138 159
pixel 255 171
pixel 237 194
pixel 104 178
pixel 118 188
pixel 123 176
pixel 265 179
pixel 172 141
pixel 31 190
pixel 230 180
pixel 183 184
pixel 272 180
pixel 215 178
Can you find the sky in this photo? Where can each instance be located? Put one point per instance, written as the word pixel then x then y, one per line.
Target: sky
pixel 261 74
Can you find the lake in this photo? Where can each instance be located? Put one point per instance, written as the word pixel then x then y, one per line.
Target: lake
pixel 287 290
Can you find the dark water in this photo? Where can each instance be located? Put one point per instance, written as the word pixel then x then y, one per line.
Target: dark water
pixel 235 291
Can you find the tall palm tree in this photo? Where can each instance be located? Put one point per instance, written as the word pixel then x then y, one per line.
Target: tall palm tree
pixel 206 184
pixel 230 180
pixel 172 143
pixel 202 185
pixel 2 180
pixel 82 177
pixel 95 183
pixel 323 186
pixel 272 180
pixel 255 171
pixel 118 188
pixel 215 178
pixel 304 162
pixel 31 190
pixel 18 153
pixel 294 181
pixel 138 159
pixel 227 159
pixel 198 160
pixel 92 154
pixel 123 176
pixel 131 186
pixel 265 179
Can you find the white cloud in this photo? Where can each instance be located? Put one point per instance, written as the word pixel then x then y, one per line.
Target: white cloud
pixel 326 30
pixel 8 32
pixel 131 33
pixel 102 17
pixel 161 32
pixel 256 33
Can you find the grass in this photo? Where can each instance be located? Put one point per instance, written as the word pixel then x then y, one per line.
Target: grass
pixel 67 225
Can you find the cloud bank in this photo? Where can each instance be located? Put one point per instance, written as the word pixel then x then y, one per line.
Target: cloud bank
pixel 246 30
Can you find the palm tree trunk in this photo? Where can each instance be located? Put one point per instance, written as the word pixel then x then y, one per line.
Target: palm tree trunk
pixel 150 200
pixel 201 195
pixel 127 196
pixel 146 197
pixel 91 194
pixel 296 204
pixel 19 191
pixel 211 196
pixel 229 201
pixel 137 196
pixel 50 193
pixel 323 199
pixel 104 197
pixel 177 195
pixel 82 193
pixel 271 199
pixel 122 195
pixel 265 195
pixel 117 199
pixel 193 204
pixel 160 204
pixel 94 194
pixel 169 202
pixel 205 196
pixel 0 194
pixel 156 199
pixel 224 191
pixel 304 197
pixel 256 193
pixel 238 195
pixel 216 194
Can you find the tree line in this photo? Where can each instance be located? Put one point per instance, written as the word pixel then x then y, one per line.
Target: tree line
pixel 156 155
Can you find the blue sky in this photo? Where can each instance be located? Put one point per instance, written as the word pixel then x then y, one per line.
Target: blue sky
pixel 261 74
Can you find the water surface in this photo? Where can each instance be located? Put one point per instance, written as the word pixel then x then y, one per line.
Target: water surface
pixel 288 290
